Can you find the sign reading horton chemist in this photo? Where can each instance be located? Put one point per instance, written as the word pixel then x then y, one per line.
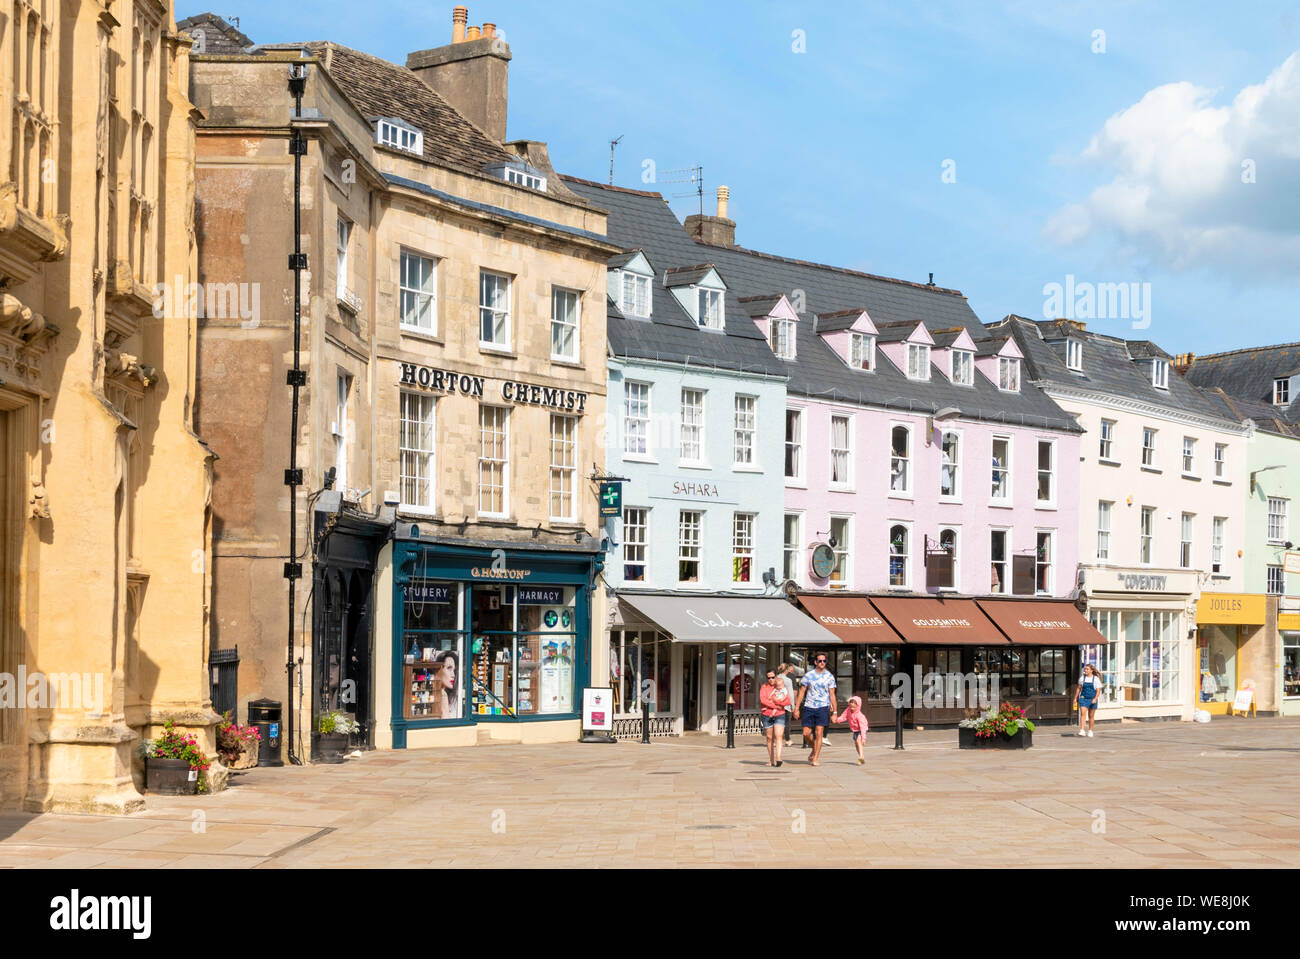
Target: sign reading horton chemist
pixel 517 392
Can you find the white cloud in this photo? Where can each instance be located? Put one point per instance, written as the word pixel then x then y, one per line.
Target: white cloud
pixel 1177 195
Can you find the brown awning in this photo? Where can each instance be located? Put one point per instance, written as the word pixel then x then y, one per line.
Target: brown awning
pixel 1041 622
pixel 851 618
pixel 939 622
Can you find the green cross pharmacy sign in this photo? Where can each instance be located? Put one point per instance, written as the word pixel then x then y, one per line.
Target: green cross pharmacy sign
pixel 611 498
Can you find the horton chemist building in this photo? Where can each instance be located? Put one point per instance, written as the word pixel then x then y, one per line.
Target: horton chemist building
pixel 453 332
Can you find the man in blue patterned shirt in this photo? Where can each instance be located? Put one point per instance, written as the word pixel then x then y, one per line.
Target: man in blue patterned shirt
pixel 818 687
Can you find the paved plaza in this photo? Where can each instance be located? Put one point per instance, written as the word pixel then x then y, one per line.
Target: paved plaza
pixel 1137 795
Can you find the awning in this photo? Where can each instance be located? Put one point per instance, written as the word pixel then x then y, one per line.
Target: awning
pixel 939 622
pixel 1041 623
pixel 730 619
pixel 851 618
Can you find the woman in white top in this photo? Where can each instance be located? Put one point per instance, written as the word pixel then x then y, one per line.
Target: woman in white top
pixel 1086 697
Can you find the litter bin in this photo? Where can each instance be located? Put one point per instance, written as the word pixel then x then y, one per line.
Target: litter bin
pixel 265 715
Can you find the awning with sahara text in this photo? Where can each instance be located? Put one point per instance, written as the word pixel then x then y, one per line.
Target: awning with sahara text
pixel 730 619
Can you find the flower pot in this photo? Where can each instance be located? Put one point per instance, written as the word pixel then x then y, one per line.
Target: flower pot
pixel 247 757
pixel 966 739
pixel 170 777
pixel 329 747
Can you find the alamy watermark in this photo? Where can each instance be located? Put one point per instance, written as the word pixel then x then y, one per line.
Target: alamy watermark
pixel 37 690
pixel 1084 300
pixel 212 301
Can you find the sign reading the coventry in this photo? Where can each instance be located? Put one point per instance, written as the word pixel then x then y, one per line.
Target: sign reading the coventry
pixel 512 391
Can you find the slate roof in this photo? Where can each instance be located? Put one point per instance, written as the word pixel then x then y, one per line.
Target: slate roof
pixel 761 305
pixel 1108 367
pixel 637 219
pixel 1249 374
pixel 838 320
pixel 219 37
pixel 686 275
pixel 1266 416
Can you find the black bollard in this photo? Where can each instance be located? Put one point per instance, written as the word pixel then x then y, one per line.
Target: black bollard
pixel 731 724
pixel 898 727
pixel 645 720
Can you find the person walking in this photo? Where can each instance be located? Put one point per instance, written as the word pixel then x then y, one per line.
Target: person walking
pixel 774 701
pixel 857 721
pixel 1086 697
pixel 818 688
pixel 784 670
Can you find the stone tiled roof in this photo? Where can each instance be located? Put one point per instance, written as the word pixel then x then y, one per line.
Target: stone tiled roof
pixel 219 37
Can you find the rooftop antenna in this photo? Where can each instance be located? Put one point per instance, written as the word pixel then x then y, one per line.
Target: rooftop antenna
pixel 233 21
pixel 692 174
pixel 612 144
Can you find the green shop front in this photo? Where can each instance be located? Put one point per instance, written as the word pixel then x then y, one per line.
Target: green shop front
pixel 481 641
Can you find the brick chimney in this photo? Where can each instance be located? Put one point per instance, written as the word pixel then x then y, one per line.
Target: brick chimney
pixel 714 230
pixel 1183 362
pixel 470 73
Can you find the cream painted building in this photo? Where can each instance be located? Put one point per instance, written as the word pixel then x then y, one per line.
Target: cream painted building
pixel 453 334
pixel 104 574
pixel 1162 512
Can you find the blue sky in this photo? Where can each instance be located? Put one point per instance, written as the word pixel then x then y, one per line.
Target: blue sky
pixel 1143 163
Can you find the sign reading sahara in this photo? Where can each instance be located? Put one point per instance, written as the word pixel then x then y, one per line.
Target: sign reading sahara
pixel 611 498
pixel 598 708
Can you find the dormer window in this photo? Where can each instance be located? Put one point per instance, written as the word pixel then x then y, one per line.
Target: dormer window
pixel 1008 374
pixel 963 367
pixel 781 338
pixel 710 314
pixel 519 173
pixel 636 295
pixel 1282 391
pixel 1074 355
pixel 399 135
pixel 918 361
pixel 1160 374
pixel 862 351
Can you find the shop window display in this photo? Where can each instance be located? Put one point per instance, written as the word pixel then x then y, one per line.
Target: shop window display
pixel 1218 665
pixel 875 664
pixel 1139 662
pixel 434 645
pixel 522 650
pixel 1291 665
pixel 742 668
pixel 637 658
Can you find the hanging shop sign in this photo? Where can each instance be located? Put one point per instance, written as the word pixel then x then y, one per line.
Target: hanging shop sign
pixel 611 498
pixel 823 561
pixel 511 391
pixel 1291 563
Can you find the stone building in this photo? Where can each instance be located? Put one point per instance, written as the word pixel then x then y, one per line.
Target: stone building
pixel 104 573
pixel 452 332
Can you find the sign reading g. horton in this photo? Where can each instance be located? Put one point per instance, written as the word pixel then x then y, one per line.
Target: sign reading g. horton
pixel 512 391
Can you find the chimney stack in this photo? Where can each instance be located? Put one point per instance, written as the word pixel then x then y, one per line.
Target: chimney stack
pixel 471 73
pixel 714 230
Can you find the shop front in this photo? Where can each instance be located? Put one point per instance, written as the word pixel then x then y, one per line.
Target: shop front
pixel 1288 626
pixel 1146 653
pixel 687 655
pixel 481 641
pixel 871 655
pixel 1232 641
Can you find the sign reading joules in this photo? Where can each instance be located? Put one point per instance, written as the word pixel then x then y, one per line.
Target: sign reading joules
pixel 512 391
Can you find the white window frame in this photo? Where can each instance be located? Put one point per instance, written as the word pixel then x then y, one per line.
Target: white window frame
pixel 956 555
pixel 425 296
pixel 423 462
pixel 1004 574
pixel 564 466
pixel 1007 468
pixel 918 361
pixel 908 554
pixel 743 528
pixel 399 135
pixel 497 312
pixel 1274 579
pixel 1074 355
pixel 908 474
pixel 1050 563
pixel 636 537
pixel 559 323
pixel 342 401
pixel 744 432
pixel 711 319
pixel 832 449
pixel 1147 535
pixel 862 346
pixel 781 337
pixel 796 445
pixel 1105 520
pixel 1218 534
pixel 1220 460
pixel 490 461
pixel 1189 456
pixel 1160 373
pixel 1050 502
pixel 1282 391
pixel 1008 373
pixel 686 428
pixel 965 376
pixel 843 550
pixel 631 387
pixel 631 300
pixel 1149 450
pixel 792 550
pixel 1278 508
pixel 342 241
pixel 1186 540
pixel 1106 446
pixel 955 466
pixel 690 549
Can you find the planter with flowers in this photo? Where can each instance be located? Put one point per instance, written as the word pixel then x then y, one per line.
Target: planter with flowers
pixel 237 745
pixel 174 763
pixel 329 743
pixel 1003 728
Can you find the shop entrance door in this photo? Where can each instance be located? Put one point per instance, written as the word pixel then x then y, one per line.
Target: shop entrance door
pixel 691 688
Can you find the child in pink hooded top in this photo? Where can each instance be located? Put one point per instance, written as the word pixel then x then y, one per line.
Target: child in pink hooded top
pixel 857 721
